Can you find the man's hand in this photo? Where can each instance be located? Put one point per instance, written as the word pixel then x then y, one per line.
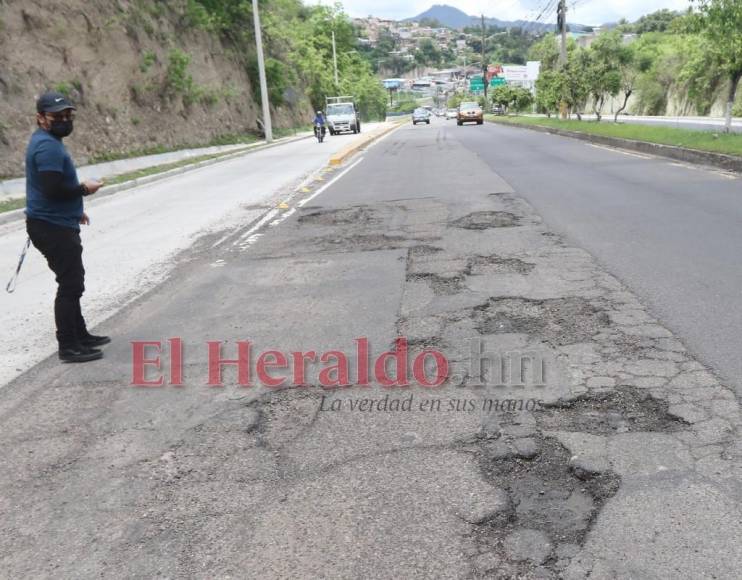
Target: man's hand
pixel 84 220
pixel 92 185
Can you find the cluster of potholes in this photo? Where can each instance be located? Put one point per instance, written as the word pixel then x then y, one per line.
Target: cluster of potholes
pixel 351 221
pixel 548 504
pixel 551 504
pixel 447 285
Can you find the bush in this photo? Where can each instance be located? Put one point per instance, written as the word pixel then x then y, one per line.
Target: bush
pixel 404 107
pixel 148 59
pixel 197 16
pixel 177 79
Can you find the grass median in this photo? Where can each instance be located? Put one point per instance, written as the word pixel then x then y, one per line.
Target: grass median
pixel 729 144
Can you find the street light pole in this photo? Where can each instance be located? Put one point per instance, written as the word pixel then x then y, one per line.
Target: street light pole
pixel 267 125
pixel 562 22
pixel 335 59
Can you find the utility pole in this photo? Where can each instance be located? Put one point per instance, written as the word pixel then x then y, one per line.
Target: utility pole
pixel 335 58
pixel 484 61
pixel 562 24
pixel 267 125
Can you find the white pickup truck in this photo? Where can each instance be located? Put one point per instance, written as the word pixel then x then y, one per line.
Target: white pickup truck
pixel 342 115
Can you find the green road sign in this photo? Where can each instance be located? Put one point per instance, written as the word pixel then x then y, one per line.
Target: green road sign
pixel 476 84
pixel 497 81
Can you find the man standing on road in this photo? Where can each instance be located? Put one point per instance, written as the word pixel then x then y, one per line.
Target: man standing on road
pixel 54 212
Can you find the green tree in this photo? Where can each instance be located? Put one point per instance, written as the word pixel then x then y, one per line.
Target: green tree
pixel 547 51
pixel 427 53
pixel 603 73
pixel 502 95
pixel 659 21
pixel 549 91
pixel 575 85
pixel 509 97
pixel 721 22
pixel 629 68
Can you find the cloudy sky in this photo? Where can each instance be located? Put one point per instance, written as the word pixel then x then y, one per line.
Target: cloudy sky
pixel 582 11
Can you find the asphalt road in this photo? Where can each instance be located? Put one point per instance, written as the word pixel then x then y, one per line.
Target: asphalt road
pixel 672 232
pixel 424 235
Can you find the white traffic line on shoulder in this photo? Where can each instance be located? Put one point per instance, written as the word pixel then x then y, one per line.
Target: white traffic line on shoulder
pixel 334 180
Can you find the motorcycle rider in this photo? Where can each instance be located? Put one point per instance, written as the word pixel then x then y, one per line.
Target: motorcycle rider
pixel 319 119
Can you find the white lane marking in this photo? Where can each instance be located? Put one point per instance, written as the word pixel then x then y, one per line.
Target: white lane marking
pixel 622 151
pixel 264 220
pixel 304 201
pixel 250 241
pixel 223 239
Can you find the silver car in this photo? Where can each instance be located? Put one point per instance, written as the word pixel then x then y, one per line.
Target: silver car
pixel 421 116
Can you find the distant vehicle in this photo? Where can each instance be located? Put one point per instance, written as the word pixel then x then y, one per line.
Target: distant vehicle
pixel 498 109
pixel 342 115
pixel 452 113
pixel 470 112
pixel 421 116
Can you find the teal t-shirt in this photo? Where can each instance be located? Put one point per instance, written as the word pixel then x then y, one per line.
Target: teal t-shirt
pixel 47 153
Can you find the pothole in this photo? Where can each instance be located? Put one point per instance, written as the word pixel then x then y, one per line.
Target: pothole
pixel 441 285
pixel 551 510
pixel 479 265
pixel 358 215
pixel 360 243
pixel 621 411
pixel 285 415
pixel 483 220
pixel 557 321
pixel 424 250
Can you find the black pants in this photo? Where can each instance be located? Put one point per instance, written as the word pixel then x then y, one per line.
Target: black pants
pixel 62 249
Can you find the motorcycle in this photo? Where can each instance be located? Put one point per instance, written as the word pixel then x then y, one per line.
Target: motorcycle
pixel 319 132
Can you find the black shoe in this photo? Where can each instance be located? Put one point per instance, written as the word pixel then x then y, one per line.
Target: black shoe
pixel 79 354
pixel 91 340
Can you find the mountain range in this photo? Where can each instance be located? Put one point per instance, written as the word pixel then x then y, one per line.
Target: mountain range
pixel 454 18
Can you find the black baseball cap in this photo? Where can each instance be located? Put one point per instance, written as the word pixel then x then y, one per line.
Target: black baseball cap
pixel 53 102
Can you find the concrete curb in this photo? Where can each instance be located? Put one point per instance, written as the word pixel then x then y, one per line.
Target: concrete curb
pixel 727 162
pixel 353 148
pixel 18 214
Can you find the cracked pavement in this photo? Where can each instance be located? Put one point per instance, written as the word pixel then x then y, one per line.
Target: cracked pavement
pixel 629 465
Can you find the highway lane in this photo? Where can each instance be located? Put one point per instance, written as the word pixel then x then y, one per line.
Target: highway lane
pixel 135 236
pixel 672 232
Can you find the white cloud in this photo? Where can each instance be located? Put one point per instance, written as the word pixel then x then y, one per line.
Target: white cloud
pixel 582 11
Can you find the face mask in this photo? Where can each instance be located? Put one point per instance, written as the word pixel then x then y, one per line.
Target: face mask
pixel 61 128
